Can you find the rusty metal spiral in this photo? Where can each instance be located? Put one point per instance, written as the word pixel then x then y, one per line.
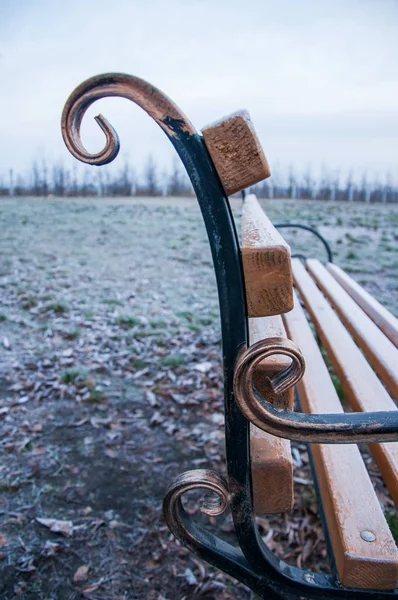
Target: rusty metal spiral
pixel 255 408
pixel 159 106
pixel 312 428
pixel 173 509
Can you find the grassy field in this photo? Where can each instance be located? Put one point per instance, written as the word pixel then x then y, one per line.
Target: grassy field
pixel 111 384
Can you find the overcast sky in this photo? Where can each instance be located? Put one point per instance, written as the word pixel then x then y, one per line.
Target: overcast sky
pixel 319 78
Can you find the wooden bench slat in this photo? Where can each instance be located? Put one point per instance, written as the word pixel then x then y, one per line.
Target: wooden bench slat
pixel 236 151
pixel 260 329
pixel 381 352
pixel 385 320
pixel 363 388
pixel 350 502
pixel 271 458
pixel 266 263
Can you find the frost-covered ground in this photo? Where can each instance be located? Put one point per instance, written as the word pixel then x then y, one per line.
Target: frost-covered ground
pixel 111 384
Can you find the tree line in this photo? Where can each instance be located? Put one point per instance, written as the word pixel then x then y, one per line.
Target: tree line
pixel 45 180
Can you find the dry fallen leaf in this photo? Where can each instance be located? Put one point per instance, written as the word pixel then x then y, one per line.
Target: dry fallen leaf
pixel 37 428
pixel 94 586
pixel 57 526
pixel 91 588
pixel 190 577
pixel 50 548
pixel 203 367
pixel 81 573
pixel 3 540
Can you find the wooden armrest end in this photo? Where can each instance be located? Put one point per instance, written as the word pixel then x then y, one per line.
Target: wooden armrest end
pixel 236 152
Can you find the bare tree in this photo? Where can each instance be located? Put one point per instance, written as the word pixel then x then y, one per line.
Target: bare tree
pixel 283 184
pixel 100 182
pixel 124 180
pixel 20 186
pixel 36 179
pixel 175 184
pixel 88 187
pixel 44 177
pixel 350 186
pixel 107 187
pixel 275 182
pixel 309 183
pixel 134 182
pixel 335 184
pixel 11 188
pixel 74 182
pixel 292 181
pixel 59 187
pixel 4 190
pixel 270 188
pixel 365 187
pixel 150 177
pixel 387 187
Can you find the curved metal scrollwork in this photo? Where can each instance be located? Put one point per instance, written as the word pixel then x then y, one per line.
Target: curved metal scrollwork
pixel 163 110
pixel 282 381
pixel 318 428
pixel 193 480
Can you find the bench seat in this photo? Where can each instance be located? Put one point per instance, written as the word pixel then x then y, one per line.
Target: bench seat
pixel 376 311
pixel 364 390
pixel 349 500
pixel 379 350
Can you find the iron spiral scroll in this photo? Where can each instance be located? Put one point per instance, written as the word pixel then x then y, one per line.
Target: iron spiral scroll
pixel 202 479
pixel 252 562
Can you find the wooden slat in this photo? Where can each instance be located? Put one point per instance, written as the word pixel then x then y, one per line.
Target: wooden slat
pixel 271 459
pixel 260 329
pixel 350 503
pixel 236 152
pixel 380 351
pixel 376 311
pixel 363 388
pixel 266 263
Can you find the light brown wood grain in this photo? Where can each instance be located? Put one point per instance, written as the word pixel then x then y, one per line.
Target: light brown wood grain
pixel 380 351
pixel 260 329
pixel 376 311
pixel 364 390
pixel 350 503
pixel 271 459
pixel 236 151
pixel 266 263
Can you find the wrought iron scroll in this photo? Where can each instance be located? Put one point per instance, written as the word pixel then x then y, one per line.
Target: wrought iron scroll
pixel 196 538
pixel 319 428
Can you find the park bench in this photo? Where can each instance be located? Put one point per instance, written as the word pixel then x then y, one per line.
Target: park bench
pixel 270 349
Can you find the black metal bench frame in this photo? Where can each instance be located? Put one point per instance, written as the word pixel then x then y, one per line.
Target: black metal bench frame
pixel 253 563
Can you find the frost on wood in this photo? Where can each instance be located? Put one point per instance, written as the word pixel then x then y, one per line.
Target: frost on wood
pixel 236 152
